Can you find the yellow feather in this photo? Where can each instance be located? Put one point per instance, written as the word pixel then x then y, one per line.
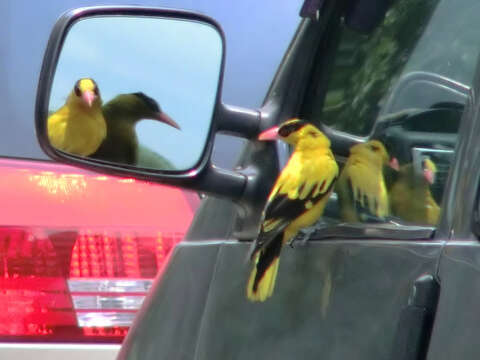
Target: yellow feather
pixel 266 284
pixel 433 210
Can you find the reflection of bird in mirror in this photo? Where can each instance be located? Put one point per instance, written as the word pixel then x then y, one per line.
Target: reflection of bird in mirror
pixel 361 187
pixel 296 201
pixel 410 194
pixel 78 127
pixel 122 114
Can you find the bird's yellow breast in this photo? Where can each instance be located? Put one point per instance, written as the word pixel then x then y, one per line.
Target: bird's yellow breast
pixel 308 174
pixel 77 129
pixel 308 218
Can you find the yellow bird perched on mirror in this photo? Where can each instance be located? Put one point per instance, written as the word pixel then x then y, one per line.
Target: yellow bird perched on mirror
pixel 361 188
pixel 410 194
pixel 122 113
pixel 79 127
pixel 296 201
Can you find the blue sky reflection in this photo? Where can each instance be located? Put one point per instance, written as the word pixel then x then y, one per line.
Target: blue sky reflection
pixel 175 62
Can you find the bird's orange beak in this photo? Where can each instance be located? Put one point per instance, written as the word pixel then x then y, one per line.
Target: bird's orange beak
pixel 88 96
pixel 429 176
pixel 162 117
pixel 269 134
pixel 394 164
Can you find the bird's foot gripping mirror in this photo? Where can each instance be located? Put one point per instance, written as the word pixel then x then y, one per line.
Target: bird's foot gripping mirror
pixel 131 88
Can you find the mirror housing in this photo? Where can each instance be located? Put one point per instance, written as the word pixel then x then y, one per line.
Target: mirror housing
pixel 198 174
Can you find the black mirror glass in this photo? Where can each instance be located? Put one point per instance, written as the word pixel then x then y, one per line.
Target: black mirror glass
pixel 136 90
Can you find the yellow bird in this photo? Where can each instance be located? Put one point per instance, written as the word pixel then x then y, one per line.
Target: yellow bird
pixel 79 127
pixel 361 188
pixel 296 201
pixel 410 195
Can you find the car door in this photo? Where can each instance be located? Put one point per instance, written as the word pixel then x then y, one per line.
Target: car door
pixel 358 290
pixel 457 319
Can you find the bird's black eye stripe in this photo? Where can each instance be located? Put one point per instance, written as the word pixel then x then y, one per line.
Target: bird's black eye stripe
pixel 76 88
pixel 95 90
pixel 152 104
pixel 287 129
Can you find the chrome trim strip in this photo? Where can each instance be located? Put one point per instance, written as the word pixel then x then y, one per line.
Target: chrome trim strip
pixel 52 351
pixel 109 285
pixel 99 302
pixel 105 319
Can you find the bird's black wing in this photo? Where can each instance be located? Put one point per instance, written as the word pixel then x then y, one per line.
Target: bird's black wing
pixel 281 210
pixel 281 206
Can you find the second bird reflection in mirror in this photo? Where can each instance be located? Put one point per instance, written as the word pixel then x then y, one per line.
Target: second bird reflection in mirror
pixel 122 113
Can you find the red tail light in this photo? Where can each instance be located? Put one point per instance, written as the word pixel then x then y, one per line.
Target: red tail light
pixel 67 285
pixel 84 282
pixel 69 270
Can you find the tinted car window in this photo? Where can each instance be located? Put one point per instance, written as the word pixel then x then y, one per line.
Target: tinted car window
pixel 406 85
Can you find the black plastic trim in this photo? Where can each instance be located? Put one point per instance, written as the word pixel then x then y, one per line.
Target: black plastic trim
pixel 384 231
pixel 416 320
pixel 237 121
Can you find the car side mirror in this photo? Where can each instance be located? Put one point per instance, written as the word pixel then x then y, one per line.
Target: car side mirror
pixel 136 91
pixel 133 91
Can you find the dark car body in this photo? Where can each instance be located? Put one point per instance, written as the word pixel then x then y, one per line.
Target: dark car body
pixel 364 291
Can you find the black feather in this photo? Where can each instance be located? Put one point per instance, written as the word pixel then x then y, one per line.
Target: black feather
pixel 268 256
pixel 289 128
pixel 283 210
pixel 152 104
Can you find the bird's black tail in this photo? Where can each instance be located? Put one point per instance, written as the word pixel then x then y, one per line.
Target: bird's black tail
pixel 264 273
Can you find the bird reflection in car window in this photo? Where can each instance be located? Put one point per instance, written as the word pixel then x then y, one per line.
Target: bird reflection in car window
pixel 411 196
pixel 374 187
pixel 361 188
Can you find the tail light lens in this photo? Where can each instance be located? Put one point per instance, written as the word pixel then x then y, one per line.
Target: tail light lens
pixel 60 284
pixel 84 282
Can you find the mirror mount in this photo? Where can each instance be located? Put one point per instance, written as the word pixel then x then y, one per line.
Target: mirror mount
pixel 238 121
pixel 213 180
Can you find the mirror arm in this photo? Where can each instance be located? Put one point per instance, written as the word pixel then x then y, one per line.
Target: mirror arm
pixel 237 121
pixel 221 182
